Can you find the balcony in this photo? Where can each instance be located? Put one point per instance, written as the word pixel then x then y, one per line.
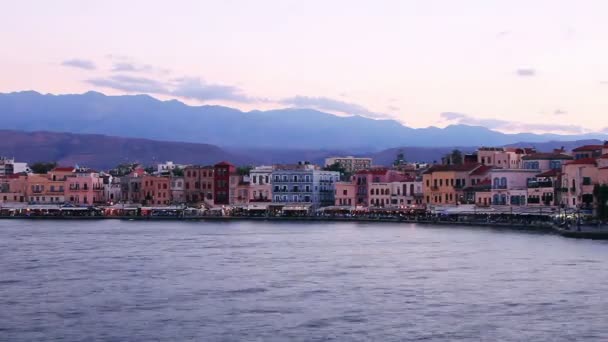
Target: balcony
pixel 543 184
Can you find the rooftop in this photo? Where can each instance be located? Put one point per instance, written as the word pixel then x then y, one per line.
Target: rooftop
pixel 453 168
pixel 584 161
pixel 588 148
pixel 547 156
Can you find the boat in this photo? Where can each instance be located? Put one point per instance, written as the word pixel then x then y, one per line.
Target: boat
pixel 583 231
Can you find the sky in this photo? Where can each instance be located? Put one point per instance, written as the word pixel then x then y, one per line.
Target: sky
pixel 513 66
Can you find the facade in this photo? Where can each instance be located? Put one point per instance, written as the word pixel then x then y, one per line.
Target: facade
pixel 13 188
pixel 445 184
pixel 199 184
pixel 85 187
pixel 111 189
pixel 578 182
pixel 500 157
pixel 510 186
pixel 304 183
pixel 177 190
pixel 260 186
pixel 545 161
pixel 156 190
pixel 588 151
pixel 543 189
pixel 6 166
pixel 350 164
pixel 345 194
pixel 224 183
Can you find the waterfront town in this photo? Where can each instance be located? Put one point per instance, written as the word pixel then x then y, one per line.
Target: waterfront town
pixel 490 180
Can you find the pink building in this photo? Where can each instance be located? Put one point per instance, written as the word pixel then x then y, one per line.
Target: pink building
pixel 346 194
pixel 578 181
pixel 84 187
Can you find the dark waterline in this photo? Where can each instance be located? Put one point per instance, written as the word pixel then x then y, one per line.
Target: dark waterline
pixel 261 281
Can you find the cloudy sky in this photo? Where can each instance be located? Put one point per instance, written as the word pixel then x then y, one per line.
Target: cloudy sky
pixel 533 65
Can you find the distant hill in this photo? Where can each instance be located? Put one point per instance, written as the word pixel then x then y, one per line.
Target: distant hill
pixel 142 116
pixel 104 152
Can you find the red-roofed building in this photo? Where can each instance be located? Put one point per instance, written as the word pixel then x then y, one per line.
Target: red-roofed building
pixel 587 151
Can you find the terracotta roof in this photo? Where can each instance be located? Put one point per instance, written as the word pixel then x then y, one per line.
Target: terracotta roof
pixel 223 163
pixel 584 161
pixel 454 168
pixel 587 148
pixel 547 156
pixel 604 156
pixel 482 170
pixel 550 173
pixel 63 169
pixel 377 172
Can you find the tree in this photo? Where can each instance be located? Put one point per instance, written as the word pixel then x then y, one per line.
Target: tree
pixel 43 167
pixel 244 170
pixel 122 170
pixel 178 172
pixel 456 157
pixel 149 169
pixel 400 159
pixel 337 167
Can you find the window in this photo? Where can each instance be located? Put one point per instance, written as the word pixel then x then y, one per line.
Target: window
pixel 586 180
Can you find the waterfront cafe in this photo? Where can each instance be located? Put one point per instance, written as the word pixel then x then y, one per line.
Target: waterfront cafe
pixel 122 210
pixel 166 211
pixel 296 209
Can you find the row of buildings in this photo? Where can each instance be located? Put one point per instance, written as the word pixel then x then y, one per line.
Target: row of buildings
pixel 518 177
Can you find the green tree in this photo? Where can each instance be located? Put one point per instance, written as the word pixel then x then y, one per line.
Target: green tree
pixel 244 170
pixel 149 169
pixel 344 175
pixel 42 167
pixel 178 172
pixel 456 157
pixel 400 159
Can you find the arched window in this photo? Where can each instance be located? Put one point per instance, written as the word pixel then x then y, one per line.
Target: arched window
pixel 503 199
pixel 496 183
pixel 503 182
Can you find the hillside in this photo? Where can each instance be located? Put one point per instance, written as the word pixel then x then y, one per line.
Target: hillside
pixel 100 151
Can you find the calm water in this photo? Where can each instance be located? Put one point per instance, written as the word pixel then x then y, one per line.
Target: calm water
pixel 155 281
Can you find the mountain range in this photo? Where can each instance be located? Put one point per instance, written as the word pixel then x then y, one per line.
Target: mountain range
pixel 142 116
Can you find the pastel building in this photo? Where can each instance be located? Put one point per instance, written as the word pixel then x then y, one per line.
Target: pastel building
pixel 13 188
pixel 588 151
pixel 156 190
pixel 260 184
pixel 85 187
pixel 304 183
pixel 445 184
pixel 578 182
pixel 510 186
pixel 507 158
pixel 346 194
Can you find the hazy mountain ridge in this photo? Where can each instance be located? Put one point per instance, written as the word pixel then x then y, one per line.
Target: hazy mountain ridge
pixel 142 116
pixel 104 152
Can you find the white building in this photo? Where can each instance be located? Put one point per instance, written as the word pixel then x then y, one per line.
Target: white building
pixel 350 164
pixel 168 167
